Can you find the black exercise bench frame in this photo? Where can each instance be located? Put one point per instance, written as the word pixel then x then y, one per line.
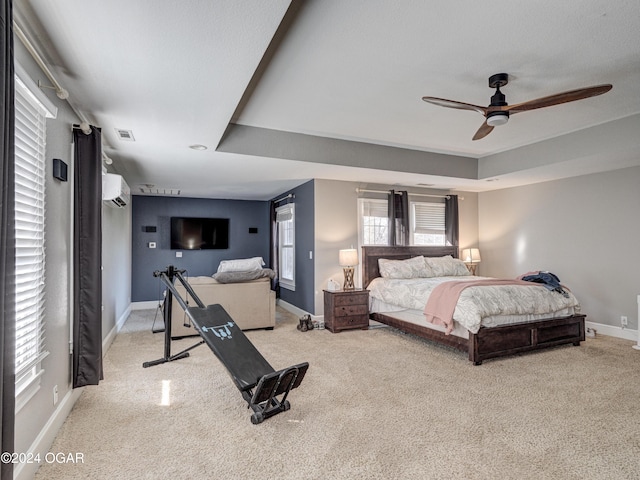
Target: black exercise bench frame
pixel 263 388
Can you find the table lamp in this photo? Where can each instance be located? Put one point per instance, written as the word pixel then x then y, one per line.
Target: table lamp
pixel 348 259
pixel 471 256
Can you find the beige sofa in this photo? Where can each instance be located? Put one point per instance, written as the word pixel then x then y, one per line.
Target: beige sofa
pixel 251 304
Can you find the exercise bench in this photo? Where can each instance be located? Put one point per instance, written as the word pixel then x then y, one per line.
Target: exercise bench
pixel 263 388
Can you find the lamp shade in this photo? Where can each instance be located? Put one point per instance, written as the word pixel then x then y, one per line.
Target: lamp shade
pixel 348 257
pixel 471 255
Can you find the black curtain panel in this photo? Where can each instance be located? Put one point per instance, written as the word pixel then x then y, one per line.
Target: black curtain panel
pixel 451 219
pixel 7 238
pixel 398 208
pixel 87 318
pixel 274 260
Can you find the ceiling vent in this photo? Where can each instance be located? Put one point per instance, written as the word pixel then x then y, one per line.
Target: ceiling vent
pixel 164 191
pixel 126 135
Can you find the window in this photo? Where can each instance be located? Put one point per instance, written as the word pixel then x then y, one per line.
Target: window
pixel 285 217
pixel 427 223
pixel 30 113
pixel 374 222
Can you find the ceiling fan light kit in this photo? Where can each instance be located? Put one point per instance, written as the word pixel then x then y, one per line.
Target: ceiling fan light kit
pixel 495 119
pixel 498 111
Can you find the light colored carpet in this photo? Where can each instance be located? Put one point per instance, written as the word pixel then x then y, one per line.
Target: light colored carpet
pixel 375 404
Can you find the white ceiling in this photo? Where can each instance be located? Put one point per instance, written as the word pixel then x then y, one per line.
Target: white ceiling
pixel 179 73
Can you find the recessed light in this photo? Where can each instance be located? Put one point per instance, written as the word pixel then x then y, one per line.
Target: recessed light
pixel 198 147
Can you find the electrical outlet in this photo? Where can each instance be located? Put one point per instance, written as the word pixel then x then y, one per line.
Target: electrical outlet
pixel 55 394
pixel 623 321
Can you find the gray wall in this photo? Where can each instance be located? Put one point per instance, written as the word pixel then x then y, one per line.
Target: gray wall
pixel 585 229
pixel 116 266
pixel 303 296
pixel 157 211
pixel 39 419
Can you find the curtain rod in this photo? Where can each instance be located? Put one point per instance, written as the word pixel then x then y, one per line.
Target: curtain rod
pixel 60 92
pixel 291 195
pixel 364 190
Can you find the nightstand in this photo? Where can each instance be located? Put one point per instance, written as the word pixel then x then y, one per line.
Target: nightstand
pixel 346 310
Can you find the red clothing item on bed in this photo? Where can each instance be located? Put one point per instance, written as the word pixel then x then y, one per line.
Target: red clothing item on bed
pixel 443 299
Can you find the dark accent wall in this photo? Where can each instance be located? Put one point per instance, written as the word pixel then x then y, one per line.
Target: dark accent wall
pixel 303 296
pixel 150 212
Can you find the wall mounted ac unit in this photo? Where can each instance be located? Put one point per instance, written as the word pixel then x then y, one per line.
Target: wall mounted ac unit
pixel 115 191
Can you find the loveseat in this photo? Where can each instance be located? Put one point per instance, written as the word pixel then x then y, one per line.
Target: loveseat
pixel 250 304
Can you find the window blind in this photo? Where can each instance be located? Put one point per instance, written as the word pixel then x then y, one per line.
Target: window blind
pixel 30 125
pixel 428 218
pixel 374 208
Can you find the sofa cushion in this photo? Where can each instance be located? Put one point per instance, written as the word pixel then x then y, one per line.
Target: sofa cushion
pixel 241 264
pixel 244 276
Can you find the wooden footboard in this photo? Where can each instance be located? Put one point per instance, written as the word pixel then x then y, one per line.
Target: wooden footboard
pixel 500 341
pixel 525 337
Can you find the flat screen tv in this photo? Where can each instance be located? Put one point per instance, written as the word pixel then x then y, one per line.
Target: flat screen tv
pixel 189 233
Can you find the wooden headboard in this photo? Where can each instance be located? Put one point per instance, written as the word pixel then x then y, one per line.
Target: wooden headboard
pixel 370 256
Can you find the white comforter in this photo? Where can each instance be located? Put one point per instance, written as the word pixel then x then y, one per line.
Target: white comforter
pixel 475 303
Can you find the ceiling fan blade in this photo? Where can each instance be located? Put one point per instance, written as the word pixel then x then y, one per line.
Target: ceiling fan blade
pixel 443 102
pixel 483 131
pixel 559 98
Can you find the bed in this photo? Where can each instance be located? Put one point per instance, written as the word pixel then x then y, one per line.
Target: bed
pixel 517 335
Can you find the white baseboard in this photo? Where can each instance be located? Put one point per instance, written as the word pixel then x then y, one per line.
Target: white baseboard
pixel 42 444
pixel 297 311
pixel 611 331
pixel 108 340
pixel 150 305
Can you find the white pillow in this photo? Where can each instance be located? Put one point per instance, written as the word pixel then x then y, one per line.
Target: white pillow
pixel 446 266
pixel 241 265
pixel 413 267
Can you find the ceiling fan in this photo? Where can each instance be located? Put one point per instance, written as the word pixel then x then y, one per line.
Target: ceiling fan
pixel 498 111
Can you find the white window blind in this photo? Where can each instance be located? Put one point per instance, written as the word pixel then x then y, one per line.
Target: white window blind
pixel 285 217
pixel 427 222
pixel 30 118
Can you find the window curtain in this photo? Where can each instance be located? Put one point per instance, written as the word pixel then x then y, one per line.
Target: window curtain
pixel 398 206
pixel 451 220
pixel 7 238
pixel 274 260
pixel 87 319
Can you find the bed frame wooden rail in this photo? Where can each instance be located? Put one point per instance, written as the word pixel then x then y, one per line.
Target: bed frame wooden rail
pixel 488 342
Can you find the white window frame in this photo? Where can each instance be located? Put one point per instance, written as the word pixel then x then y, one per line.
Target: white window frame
pixel 366 204
pixel 430 221
pixel 32 109
pixel 286 220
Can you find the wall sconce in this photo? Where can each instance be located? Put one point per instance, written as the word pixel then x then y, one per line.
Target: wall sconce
pixel 471 256
pixel 348 258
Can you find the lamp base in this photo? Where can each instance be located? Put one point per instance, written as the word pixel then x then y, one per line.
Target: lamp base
pixel 472 268
pixel 348 278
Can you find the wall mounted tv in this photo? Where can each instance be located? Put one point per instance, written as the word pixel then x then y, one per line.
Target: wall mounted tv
pixel 189 233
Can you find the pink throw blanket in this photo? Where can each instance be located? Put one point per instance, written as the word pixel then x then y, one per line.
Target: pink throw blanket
pixel 443 299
